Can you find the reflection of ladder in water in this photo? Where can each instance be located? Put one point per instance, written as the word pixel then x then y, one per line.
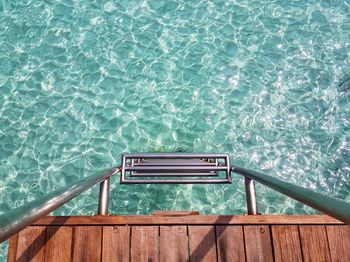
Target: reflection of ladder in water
pixel 177 236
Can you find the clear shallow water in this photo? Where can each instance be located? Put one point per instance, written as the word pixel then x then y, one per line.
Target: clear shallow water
pixel 81 82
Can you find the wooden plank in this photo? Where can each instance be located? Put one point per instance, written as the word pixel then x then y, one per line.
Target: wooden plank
pixel 230 243
pixel 339 242
pixel 173 243
pixel 188 220
pixel 87 243
pixel 58 243
pixel 258 243
pixel 286 243
pixel 144 243
pixel 116 243
pixel 202 243
pixel 314 243
pixel 31 242
pixel 12 249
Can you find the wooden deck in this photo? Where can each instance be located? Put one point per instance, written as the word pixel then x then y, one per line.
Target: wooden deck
pixel 183 238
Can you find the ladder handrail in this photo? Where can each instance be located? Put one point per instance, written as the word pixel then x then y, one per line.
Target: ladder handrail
pixel 23 216
pixel 331 206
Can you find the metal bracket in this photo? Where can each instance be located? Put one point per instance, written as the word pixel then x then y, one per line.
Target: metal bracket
pixel 175 168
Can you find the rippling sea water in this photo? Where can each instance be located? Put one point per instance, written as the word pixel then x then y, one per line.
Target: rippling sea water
pixel 83 81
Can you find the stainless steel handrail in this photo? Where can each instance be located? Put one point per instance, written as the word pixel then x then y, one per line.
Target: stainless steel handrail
pixel 328 205
pixel 103 197
pixel 252 205
pixel 25 215
pixel 21 217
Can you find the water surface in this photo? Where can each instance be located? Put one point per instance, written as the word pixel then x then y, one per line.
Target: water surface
pixel 83 81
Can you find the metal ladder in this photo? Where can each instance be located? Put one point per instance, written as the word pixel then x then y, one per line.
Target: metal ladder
pixel 175 168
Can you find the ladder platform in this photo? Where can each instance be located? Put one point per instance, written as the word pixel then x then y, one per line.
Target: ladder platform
pixel 175 168
pixel 170 213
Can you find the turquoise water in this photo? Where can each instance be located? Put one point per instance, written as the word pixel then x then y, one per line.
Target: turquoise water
pixel 83 81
